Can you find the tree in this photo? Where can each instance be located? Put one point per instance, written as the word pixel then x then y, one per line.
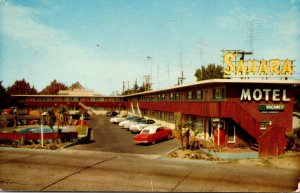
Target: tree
pixel 5 98
pixel 54 87
pixel 212 71
pixel 60 114
pixel 180 134
pixel 50 119
pixel 76 85
pixel 21 87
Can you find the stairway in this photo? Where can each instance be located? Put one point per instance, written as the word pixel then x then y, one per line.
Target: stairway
pixel 255 146
pixel 87 108
pixel 241 117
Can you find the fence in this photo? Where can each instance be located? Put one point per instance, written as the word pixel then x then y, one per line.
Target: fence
pixel 272 142
pixel 11 137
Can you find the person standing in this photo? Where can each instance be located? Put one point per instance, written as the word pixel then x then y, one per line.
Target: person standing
pixel 15 117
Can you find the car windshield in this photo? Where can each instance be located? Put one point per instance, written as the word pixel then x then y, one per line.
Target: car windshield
pixel 145 131
pixel 150 121
pixel 142 121
pixel 136 119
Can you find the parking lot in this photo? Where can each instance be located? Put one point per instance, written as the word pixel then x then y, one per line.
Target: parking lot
pixel 112 138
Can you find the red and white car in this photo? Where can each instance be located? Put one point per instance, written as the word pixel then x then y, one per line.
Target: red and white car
pixel 152 134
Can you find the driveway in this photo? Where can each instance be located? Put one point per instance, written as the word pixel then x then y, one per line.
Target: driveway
pixel 112 138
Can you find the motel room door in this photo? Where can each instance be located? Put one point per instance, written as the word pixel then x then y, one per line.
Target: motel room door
pixel 218 129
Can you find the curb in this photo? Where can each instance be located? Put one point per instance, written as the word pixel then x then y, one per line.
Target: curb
pixel 68 145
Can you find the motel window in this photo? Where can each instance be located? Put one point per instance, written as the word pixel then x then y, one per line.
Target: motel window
pixel 199 94
pixel 218 93
pixel 162 115
pixel 177 96
pixel 171 96
pixel 158 115
pixel 171 117
pixel 152 97
pixel 190 95
pixel 163 97
pixel 198 123
pixel 154 114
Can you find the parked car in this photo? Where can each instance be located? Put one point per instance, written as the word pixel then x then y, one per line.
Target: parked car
pixel 128 119
pixel 111 113
pixel 152 134
pixel 86 116
pixel 136 128
pixel 117 119
pixel 133 122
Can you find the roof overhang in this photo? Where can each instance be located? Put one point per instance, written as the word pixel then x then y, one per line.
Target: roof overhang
pixel 223 81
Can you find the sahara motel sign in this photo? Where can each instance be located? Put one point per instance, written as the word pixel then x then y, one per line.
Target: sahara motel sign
pixel 256 68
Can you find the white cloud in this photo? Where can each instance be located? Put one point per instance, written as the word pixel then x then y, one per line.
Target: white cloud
pixel 19 25
pixel 40 52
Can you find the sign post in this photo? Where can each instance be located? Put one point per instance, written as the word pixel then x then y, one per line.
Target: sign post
pixel 42 130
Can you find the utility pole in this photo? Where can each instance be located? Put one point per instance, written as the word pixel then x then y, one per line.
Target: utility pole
pixel 149 61
pixel 147 83
pixel 128 87
pixel 158 76
pixel 180 79
pixel 202 45
pixel 123 87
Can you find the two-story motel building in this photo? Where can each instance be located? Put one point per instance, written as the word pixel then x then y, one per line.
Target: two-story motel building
pixel 242 111
pixel 247 110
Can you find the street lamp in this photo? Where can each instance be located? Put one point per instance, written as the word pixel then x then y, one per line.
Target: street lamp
pixel 42 128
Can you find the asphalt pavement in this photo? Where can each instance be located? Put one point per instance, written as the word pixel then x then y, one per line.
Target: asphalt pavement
pixel 111 137
pixel 77 170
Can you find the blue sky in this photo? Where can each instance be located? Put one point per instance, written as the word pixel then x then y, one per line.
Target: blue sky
pixel 101 43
